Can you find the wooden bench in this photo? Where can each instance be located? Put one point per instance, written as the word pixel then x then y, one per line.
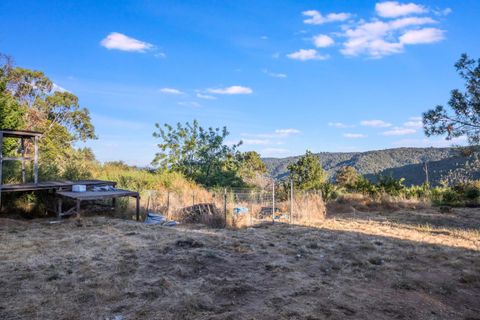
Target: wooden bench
pixel 94 195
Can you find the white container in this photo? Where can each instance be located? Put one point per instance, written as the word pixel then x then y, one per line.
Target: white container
pixel 79 188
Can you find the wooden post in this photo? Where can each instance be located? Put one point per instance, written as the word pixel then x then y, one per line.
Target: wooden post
pixel 137 213
pixel 78 207
pixel 22 146
pixel 35 160
pixel 59 213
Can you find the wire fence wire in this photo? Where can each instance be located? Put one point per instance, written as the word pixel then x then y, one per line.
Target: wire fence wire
pixel 237 207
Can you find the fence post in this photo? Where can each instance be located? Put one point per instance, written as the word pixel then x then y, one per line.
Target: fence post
pixel 273 201
pixel 291 201
pixel 225 205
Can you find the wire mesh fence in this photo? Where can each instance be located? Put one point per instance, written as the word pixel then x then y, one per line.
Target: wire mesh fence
pixel 236 207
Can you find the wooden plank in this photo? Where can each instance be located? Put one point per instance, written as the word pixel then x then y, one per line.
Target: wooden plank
pixel 19 133
pixel 97 195
pixel 17 158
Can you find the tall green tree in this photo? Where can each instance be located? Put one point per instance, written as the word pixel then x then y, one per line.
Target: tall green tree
pixel 463 116
pixel 200 154
pixel 307 173
pixel 30 100
pixel 250 165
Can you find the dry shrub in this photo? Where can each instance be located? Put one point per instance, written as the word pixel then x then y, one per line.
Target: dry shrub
pixel 356 201
pixel 308 208
pixel 242 220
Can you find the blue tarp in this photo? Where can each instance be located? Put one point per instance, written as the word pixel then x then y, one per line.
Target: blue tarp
pixel 240 210
pixel 153 218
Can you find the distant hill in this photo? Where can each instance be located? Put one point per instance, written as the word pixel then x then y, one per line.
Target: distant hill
pixel 398 162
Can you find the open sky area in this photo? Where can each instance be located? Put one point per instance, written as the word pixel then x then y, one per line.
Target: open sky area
pixel 283 76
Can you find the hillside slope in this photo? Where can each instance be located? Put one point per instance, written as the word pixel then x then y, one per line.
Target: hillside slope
pixel 398 162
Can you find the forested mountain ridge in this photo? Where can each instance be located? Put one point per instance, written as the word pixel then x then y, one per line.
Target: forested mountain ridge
pixel 398 162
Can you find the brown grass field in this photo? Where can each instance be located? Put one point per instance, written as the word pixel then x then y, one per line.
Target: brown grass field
pixel 419 264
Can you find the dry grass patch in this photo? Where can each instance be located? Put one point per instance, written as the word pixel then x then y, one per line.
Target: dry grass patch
pixel 384 265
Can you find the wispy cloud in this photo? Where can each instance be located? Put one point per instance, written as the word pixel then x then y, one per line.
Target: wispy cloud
pixel 286 132
pixel 205 96
pixel 354 135
pixel 414 122
pixel 307 54
pixel 172 91
pixel 419 143
pixel 277 134
pixel 231 90
pixel 274 152
pixel 392 9
pixel 119 41
pixel 255 142
pixel 274 74
pixel 398 131
pixel 375 123
pixel 340 125
pixel 315 17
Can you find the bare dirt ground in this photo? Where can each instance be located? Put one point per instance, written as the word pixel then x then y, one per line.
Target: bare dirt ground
pixel 402 265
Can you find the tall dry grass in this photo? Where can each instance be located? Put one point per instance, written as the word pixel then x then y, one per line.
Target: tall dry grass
pixel 352 202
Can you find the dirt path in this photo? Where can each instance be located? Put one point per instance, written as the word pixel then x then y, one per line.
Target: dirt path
pixel 99 268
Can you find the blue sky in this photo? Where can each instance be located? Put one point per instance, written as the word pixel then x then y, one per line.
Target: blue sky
pixel 282 76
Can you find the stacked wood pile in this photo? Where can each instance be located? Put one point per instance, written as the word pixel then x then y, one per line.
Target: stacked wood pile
pixel 206 213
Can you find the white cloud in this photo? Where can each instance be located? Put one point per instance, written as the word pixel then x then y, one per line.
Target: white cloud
pixel 206 96
pixel 414 122
pixel 286 132
pixel 315 17
pixel 426 35
pixel 392 9
pixel 354 135
pixel 231 90
pixel 339 125
pixel 375 123
pixel 277 134
pixel 255 142
pixel 171 91
pixel 399 131
pixel 322 41
pixel 307 54
pixel 273 152
pixel 379 38
pixel 119 41
pixel 274 74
